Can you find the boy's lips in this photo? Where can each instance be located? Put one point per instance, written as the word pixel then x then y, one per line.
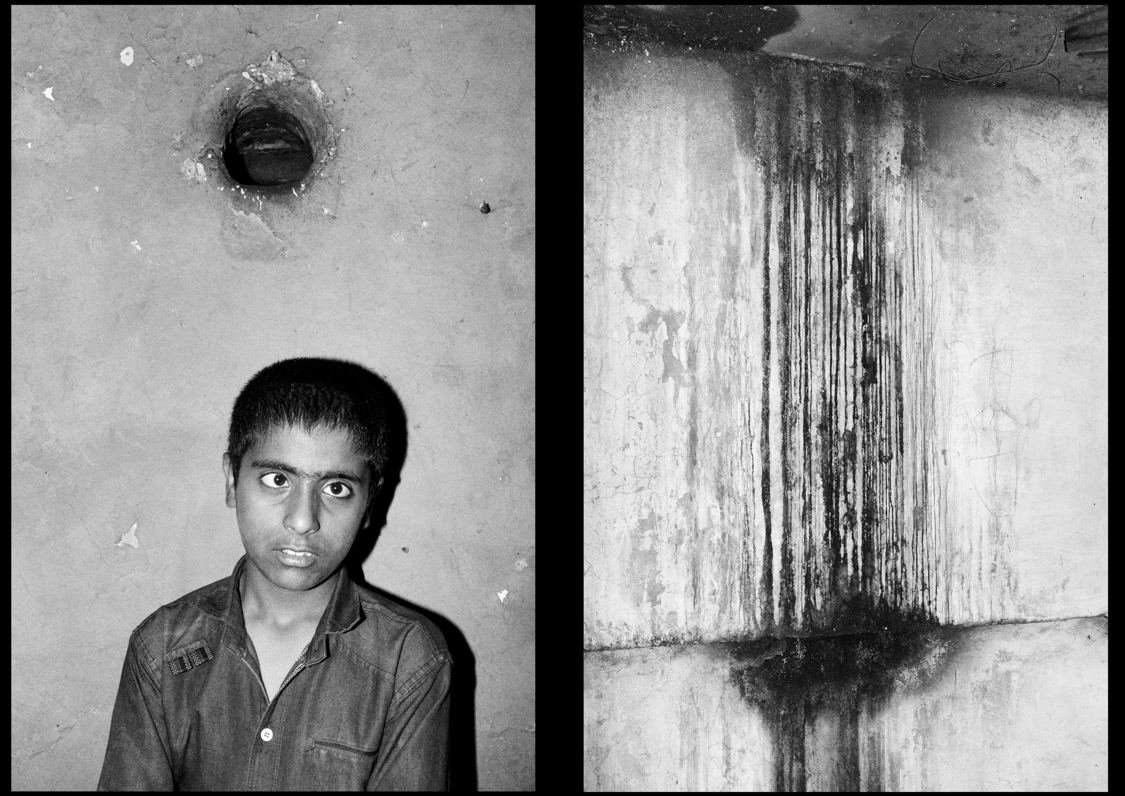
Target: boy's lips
pixel 294 559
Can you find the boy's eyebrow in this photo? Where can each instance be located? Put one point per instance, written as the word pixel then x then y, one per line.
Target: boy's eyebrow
pixel 274 464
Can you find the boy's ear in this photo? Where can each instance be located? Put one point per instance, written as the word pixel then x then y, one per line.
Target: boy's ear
pixel 229 472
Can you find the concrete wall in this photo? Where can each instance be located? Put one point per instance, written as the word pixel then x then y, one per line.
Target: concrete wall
pixel 1005 707
pixel 137 317
pixel 845 346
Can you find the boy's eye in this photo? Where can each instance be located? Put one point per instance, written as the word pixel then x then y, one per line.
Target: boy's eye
pixel 338 489
pixel 273 480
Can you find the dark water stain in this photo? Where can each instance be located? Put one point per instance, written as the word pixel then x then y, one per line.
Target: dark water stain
pixel 801 684
pixel 766 597
pixel 836 396
pixel 784 233
pixel 693 415
pixel 835 386
pixel 817 136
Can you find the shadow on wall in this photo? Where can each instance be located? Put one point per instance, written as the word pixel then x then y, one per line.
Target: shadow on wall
pixel 462 704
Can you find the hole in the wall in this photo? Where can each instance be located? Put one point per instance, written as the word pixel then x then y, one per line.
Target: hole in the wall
pixel 264 131
pixel 267 145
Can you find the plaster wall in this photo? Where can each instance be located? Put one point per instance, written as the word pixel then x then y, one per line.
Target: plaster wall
pixel 141 303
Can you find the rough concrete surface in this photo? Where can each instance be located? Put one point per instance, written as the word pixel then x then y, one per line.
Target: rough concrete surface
pixel 1045 49
pixel 845 395
pixel 1004 707
pixel 142 301
pixel 845 336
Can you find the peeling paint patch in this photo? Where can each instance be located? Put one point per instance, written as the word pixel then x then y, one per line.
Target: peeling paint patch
pixel 247 236
pixel 673 367
pixel 129 538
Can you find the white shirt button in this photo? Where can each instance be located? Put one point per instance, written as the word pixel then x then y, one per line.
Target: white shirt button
pixel 267 734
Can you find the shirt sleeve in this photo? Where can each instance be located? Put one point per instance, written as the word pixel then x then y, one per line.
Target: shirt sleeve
pixel 416 734
pixel 136 757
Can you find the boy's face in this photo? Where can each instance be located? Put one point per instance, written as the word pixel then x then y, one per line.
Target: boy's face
pixel 300 491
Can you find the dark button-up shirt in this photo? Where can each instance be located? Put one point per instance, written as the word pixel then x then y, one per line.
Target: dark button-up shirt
pixel 365 706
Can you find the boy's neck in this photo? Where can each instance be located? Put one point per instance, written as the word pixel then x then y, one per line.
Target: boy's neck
pixel 265 604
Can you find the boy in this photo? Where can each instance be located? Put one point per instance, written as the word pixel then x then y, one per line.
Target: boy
pixel 288 675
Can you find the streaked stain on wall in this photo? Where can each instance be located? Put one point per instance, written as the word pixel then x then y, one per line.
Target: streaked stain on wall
pixel 759 395
pixel 834 332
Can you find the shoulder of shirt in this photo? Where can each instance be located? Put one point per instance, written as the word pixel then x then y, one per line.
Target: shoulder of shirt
pixel 419 630
pixel 181 617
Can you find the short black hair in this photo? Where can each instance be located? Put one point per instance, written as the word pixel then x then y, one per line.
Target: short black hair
pixel 307 394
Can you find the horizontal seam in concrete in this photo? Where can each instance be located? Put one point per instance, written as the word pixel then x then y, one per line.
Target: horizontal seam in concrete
pixel 848 633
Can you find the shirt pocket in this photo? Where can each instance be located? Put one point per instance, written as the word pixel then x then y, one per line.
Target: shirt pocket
pixel 342 767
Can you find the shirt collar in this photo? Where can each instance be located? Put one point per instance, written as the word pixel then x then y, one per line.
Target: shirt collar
pixel 342 613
